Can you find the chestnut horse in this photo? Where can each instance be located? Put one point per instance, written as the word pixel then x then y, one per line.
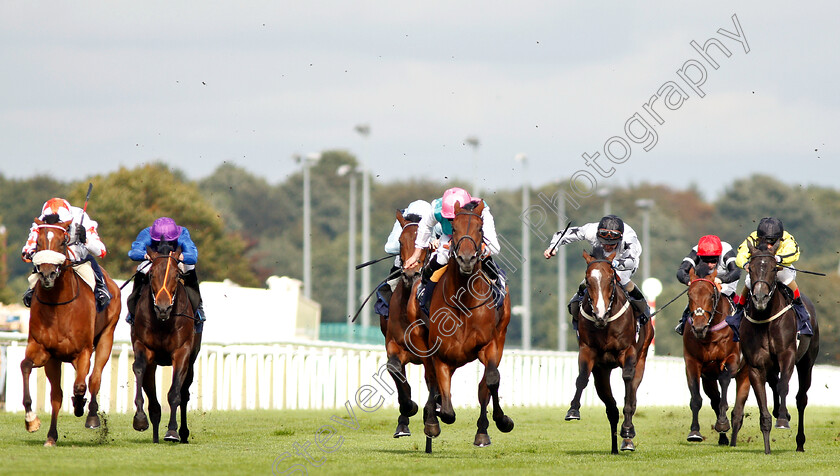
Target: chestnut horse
pixel 608 340
pixel 405 335
pixel 164 333
pixel 65 327
pixel 465 325
pixel 711 354
pixel 768 342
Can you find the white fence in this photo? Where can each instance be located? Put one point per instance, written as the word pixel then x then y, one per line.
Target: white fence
pixel 327 374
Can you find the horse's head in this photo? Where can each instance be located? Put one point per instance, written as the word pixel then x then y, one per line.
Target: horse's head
pixel 703 298
pixel 467 236
pixel 600 283
pixel 50 249
pixel 762 270
pixel 163 278
pixel 407 237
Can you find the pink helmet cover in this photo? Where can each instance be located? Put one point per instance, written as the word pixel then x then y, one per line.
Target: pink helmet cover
pixel 450 197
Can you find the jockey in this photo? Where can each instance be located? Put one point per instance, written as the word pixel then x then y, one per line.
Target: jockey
pixel 164 230
pixel 85 244
pixel 715 254
pixel 770 233
pixel 613 235
pixel 414 212
pixel 441 213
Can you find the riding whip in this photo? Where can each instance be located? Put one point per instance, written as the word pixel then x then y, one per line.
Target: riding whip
pixel 368 263
pixel 147 263
pixel 669 302
pixel 394 274
pixel 84 210
pixel 800 270
pixel 561 237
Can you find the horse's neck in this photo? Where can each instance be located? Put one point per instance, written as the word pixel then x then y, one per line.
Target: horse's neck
pixel 467 286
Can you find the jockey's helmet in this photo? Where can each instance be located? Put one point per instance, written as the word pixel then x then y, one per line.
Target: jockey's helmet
pixel 770 229
pixel 57 206
pixel 450 197
pixel 709 248
pixel 165 229
pixel 610 230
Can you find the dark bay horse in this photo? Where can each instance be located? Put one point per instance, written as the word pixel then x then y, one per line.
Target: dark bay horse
pixel 164 333
pixel 768 342
pixel 465 325
pixel 607 330
pixel 65 327
pixel 712 357
pixel 405 334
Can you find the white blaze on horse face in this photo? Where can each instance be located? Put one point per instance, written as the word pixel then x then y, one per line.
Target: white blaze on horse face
pixel 50 236
pixel 600 304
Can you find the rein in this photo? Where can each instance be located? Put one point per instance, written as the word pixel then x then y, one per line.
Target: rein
pixel 78 291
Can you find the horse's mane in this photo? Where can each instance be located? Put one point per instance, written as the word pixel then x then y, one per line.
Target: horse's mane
pixel 598 252
pixel 165 247
pixel 51 219
pixel 470 206
pixel 702 270
pixel 412 218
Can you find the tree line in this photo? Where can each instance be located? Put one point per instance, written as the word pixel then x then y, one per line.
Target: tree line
pixel 248 229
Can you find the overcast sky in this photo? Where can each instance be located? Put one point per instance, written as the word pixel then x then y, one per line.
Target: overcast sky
pixel 87 87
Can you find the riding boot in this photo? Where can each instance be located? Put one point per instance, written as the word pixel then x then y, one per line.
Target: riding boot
pixel 803 318
pixel 427 286
pixel 194 294
pixel 100 291
pixel 734 320
pixel 383 300
pixel 681 326
pixel 27 296
pixel 574 304
pixel 140 280
pixel 639 303
pixel 497 277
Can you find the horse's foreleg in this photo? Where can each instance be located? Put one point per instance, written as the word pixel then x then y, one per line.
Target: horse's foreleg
pixel 757 380
pixel 742 391
pixel 631 384
pixel 184 431
pixel 53 371
pixel 722 407
pixel 35 356
pixel 149 386
pixel 783 386
pixel 396 368
pixel 431 426
pixel 586 360
pixel 491 356
pixel 443 374
pixel 141 423
pixel 692 375
pixel 602 387
pixel 82 365
pixel 180 369
pixel 803 371
pixel 101 356
pixel 482 438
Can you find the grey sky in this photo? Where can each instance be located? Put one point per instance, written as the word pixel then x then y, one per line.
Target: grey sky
pixel 90 86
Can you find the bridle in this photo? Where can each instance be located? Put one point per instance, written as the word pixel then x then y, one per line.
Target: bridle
pixel 699 311
pixel 453 252
pixel 613 283
pixel 169 269
pixel 770 286
pixel 61 267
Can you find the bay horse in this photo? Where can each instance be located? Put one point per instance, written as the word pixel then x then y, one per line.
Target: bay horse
pixel 608 340
pixel 465 325
pixel 712 357
pixel 404 331
pixel 768 342
pixel 164 333
pixel 65 327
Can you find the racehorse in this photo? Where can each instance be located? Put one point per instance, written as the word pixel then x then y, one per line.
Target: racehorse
pixel 711 354
pixel 65 327
pixel 768 342
pixel 608 340
pixel 465 325
pixel 164 333
pixel 405 335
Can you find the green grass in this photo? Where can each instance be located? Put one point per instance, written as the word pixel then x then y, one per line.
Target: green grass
pixel 248 442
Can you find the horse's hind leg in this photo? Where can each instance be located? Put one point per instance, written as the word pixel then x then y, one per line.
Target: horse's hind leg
pixel 758 382
pixel 35 356
pixel 141 422
pixel 803 370
pixel 742 391
pixel 407 407
pixel 82 366
pixel 490 356
pixel 149 386
pixel 431 426
pixel 53 371
pixel 783 388
pixel 101 356
pixel 184 431
pixel 585 362
pixel 602 387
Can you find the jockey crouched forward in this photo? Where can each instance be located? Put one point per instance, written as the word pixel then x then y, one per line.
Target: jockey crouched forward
pixel 441 213
pixel 83 246
pixel 715 254
pixel 165 230
pixel 613 235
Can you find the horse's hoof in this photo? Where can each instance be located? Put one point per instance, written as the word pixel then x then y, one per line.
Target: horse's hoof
pixel 79 405
pixel 482 440
pixel 141 423
pixel 172 435
pixel 402 430
pixel 50 443
pixel 432 430
pixel 722 426
pixel 504 424
pixel 572 414
pixel 627 445
pixel 723 440
pixel 411 411
pixel 92 422
pixel 447 418
pixel 33 423
pixel 782 424
pixel 695 436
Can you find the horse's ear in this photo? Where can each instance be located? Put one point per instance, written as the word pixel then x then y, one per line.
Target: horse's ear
pixel 713 274
pixel 39 222
pixel 479 208
pixel 612 255
pixel 457 207
pixel 587 257
pixel 691 274
pixel 776 247
pixel 178 251
pixel 400 217
pixel 150 251
pixel 751 246
pixel 66 224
